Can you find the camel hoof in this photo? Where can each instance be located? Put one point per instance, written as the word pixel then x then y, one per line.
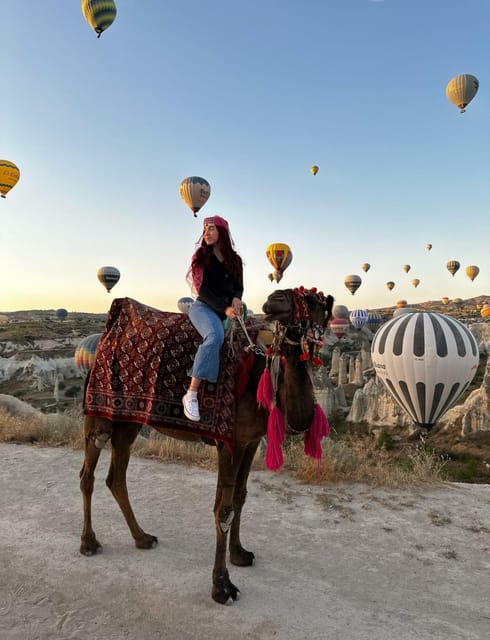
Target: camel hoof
pixel 225 592
pixel 90 547
pixel 242 558
pixel 147 542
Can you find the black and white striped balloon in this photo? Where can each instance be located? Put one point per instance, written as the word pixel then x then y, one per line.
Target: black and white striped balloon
pixel 426 360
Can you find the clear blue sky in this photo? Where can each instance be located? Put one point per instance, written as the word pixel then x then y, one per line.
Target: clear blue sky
pixel 247 95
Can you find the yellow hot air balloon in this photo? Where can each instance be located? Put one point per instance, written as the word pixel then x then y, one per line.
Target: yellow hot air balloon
pixel 352 282
pixel 472 271
pixel 461 90
pixel 195 192
pixel 314 169
pixel 280 256
pixel 390 284
pixel 99 14
pixel 9 176
pixel 452 266
pixel 406 268
pixel 415 282
pixel 365 266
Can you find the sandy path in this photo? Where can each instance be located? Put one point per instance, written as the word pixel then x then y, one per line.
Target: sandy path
pixel 342 562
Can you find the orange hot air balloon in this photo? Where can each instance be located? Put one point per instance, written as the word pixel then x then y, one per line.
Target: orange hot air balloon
pixel 415 282
pixel 445 300
pixel 314 169
pixel 401 303
pixel 485 311
pixel 472 271
pixel 452 266
pixel 390 284
pixel 279 255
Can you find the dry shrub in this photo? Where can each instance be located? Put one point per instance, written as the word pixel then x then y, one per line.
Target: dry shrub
pixel 21 428
pixel 167 449
pixel 53 429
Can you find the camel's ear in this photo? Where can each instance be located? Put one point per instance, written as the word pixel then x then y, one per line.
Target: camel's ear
pixel 279 306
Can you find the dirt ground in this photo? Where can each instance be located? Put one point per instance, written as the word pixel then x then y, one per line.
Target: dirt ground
pixel 346 562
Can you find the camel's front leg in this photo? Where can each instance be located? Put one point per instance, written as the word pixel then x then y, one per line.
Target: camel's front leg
pixel 224 591
pixel 238 555
pixel 89 543
pixel 123 437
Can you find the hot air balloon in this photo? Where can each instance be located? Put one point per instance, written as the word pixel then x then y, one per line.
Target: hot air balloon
pixel 352 282
pixel 358 318
pixel 485 311
pixel 452 266
pixel 185 304
pixel 415 282
pixel 280 256
pixel 314 169
pixel 428 246
pixel 61 314
pixel 340 311
pixel 461 90
pixel 338 326
pixel 9 176
pixel 374 321
pixel 472 271
pixel 195 192
pixel 445 300
pixel 99 14
pixel 390 284
pixel 406 268
pixel 85 352
pixel 401 303
pixel 108 276
pixel 4 319
pixel 365 266
pixel 426 360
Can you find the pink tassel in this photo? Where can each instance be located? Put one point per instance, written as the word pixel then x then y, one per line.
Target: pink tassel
pixel 265 391
pixel 313 438
pixel 276 431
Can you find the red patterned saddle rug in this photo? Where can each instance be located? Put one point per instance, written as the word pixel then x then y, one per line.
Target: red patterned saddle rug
pixel 140 372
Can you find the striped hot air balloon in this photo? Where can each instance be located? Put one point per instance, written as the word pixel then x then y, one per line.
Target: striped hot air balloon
pixel 99 14
pixel 338 326
pixel 9 176
pixel 85 352
pixel 185 304
pixel 195 192
pixel 426 360
pixel 374 321
pixel 358 318
pixel 461 90
pixel 452 266
pixel 108 276
pixel 352 282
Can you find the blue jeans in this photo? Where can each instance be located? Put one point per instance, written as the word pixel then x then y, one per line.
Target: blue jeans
pixel 210 327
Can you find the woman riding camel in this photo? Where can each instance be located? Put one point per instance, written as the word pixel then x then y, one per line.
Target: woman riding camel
pixel 216 280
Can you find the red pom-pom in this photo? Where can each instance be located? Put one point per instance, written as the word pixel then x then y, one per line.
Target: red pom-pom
pixel 316 361
pixel 265 390
pixel 304 356
pixel 276 431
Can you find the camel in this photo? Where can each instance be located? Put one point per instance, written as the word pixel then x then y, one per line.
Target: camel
pixel 292 345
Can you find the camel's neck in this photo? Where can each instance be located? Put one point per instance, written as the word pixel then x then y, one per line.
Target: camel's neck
pixel 296 397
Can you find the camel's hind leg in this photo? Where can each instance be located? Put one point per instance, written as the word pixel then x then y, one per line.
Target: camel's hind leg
pixel 123 436
pixel 90 544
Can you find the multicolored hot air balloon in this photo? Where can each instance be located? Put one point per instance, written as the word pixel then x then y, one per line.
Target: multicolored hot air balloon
pixel 195 192
pixel 9 176
pixel 85 352
pixel 280 256
pixel 365 266
pixel 472 271
pixel 406 268
pixel 461 90
pixel 358 318
pixel 425 360
pixel 99 14
pixel 185 304
pixel 390 284
pixel 352 282
pixel 314 169
pixel 452 266
pixel 415 282
pixel 108 276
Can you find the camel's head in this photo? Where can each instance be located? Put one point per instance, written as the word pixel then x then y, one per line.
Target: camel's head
pixel 294 306
pixel 300 317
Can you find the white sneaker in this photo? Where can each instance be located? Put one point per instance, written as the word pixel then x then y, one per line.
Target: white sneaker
pixel 191 407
